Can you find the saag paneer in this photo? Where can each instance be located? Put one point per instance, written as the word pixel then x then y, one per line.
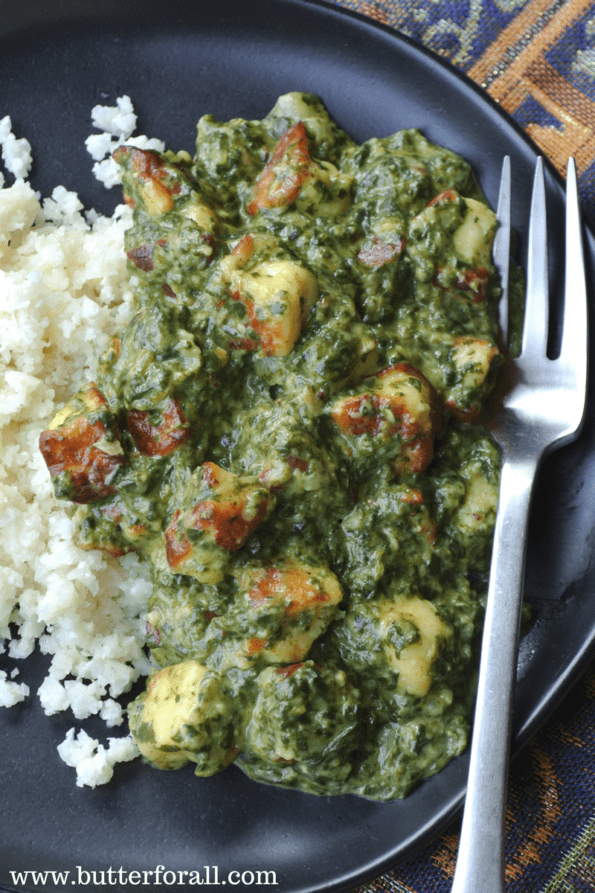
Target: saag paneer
pixel 287 431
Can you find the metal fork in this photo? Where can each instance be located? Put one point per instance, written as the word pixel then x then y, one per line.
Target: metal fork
pixel 542 410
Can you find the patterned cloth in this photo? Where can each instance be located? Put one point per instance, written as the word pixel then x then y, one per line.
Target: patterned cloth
pixel 537 59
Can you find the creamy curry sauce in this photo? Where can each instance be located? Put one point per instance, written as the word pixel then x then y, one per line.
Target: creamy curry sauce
pixel 287 431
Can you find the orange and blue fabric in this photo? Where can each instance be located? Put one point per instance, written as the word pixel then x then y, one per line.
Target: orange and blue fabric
pixel 536 58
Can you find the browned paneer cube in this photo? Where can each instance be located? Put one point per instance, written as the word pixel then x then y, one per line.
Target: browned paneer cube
pixel 161 439
pixel 472 284
pixel 158 185
pixel 292 603
pixel 220 510
pixel 278 295
pixel 81 448
pixel 286 171
pixel 292 175
pixel 277 292
pixel 397 402
pixel 153 179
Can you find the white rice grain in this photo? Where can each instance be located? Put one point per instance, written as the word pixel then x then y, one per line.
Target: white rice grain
pixel 64 294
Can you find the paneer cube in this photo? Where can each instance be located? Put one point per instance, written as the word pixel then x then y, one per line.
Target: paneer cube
pixel 290 605
pixel 220 510
pixel 81 448
pixel 154 183
pixel 473 238
pixel 285 172
pixel 472 225
pixel 326 189
pixel 278 295
pixel 397 402
pixel 451 242
pixel 153 178
pixel 277 292
pixel 291 175
pixel 414 619
pixel 185 716
pixel 161 439
pixel 200 213
pixel 477 512
pixel 473 358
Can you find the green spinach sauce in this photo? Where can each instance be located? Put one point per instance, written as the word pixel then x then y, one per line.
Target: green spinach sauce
pixel 287 431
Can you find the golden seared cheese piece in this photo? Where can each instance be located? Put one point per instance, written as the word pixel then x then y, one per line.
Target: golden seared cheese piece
pixel 292 176
pixel 219 511
pixel 310 110
pixel 472 358
pixel 185 716
pixel 277 292
pixel 158 184
pixel 416 622
pixel 162 439
pixel 451 242
pixel 81 448
pixel 290 605
pixel 397 402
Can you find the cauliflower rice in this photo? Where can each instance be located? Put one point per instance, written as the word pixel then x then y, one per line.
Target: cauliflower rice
pixel 63 295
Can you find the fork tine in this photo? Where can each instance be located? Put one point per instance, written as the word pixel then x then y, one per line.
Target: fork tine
pixel 501 249
pixel 542 410
pixel 535 328
pixel 573 349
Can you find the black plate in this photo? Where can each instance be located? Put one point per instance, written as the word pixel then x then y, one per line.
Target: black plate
pixel 178 60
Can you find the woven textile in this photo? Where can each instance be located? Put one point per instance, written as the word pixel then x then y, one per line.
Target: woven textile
pixel 537 59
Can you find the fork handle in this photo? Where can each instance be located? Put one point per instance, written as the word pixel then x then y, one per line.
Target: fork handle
pixel 480 862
